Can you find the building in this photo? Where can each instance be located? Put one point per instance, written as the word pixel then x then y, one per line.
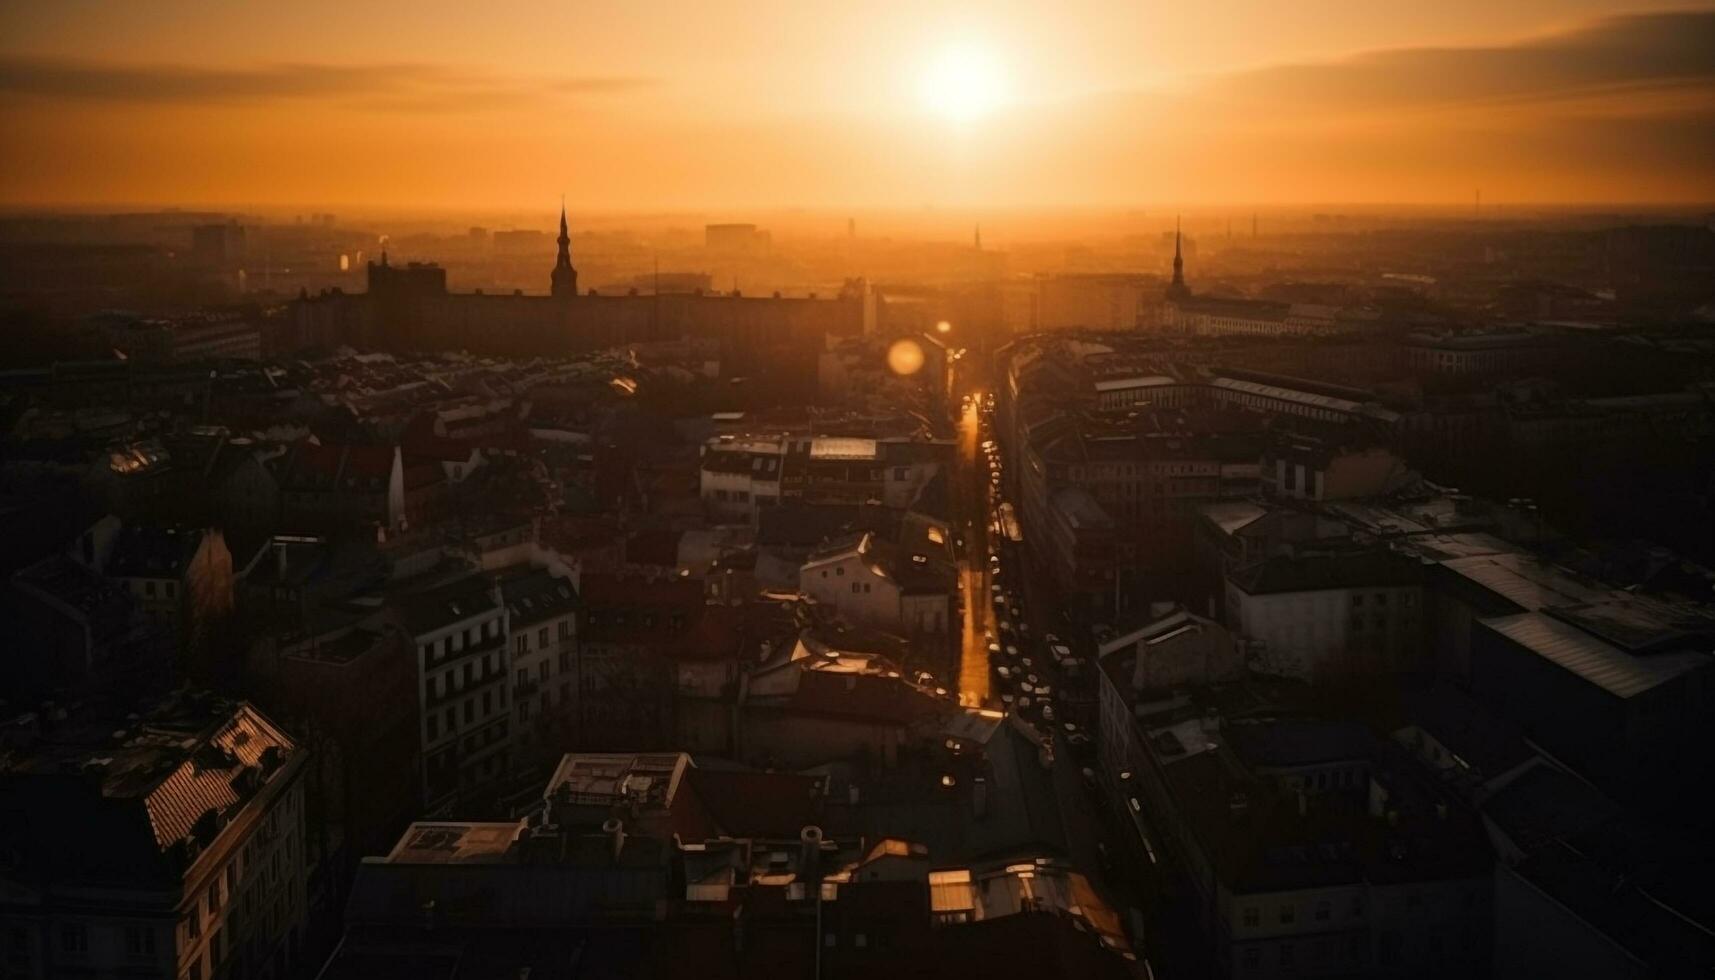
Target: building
pixel 1319 616
pixel 408 307
pixel 167 842
pixel 648 865
pixel 1599 684
pixel 871 582
pixel 460 636
pixel 1304 846
pixel 542 618
pixel 1175 650
pixel 1095 301
pixel 328 487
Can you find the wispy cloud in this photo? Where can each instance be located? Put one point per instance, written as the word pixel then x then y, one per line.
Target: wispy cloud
pixel 390 86
pixel 1632 53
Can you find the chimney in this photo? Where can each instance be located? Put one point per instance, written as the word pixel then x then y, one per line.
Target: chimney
pixel 980 797
pixel 615 829
pixel 810 855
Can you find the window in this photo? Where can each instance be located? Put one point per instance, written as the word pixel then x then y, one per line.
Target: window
pixel 139 941
pixel 1324 909
pixel 74 940
pixel 523 676
pixel 542 637
pixel 565 628
pixel 565 661
pixel 149 589
pixel 193 924
pixel 520 643
pixel 857 587
pixel 1252 918
pixel 841 570
pixel 1286 952
pixel 1252 958
pixel 542 670
pixel 493 628
pixel 434 726
pixel 1288 915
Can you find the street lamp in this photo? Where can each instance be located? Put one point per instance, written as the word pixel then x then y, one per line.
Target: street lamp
pixel 944 327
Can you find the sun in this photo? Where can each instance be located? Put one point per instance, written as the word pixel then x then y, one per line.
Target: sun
pixel 964 83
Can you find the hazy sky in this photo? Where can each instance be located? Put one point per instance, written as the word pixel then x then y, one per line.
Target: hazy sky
pixel 448 104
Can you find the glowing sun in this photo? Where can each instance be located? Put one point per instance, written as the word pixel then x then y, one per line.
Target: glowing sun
pixel 964 83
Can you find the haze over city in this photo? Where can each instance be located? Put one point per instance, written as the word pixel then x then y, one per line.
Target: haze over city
pixel 888 105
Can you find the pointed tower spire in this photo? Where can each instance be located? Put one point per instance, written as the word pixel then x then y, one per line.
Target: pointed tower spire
pixel 1177 289
pixel 564 280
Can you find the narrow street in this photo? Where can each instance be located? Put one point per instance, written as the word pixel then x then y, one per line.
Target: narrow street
pixel 974 684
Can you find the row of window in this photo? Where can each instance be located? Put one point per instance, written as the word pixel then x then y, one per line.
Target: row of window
pixel 446 685
pixel 432 653
pixel 521 640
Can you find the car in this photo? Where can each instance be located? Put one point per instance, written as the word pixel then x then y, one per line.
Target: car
pixel 1061 652
pixel 1050 638
pixel 1023 703
pixel 994 649
pixel 1012 652
pixel 1047 712
pixel 1045 690
pixel 1024 627
pixel 1025 687
pixel 1005 627
pixel 1016 612
pixel 1003 672
pixel 1006 698
pixel 995 588
pixel 1032 678
pixel 1027 662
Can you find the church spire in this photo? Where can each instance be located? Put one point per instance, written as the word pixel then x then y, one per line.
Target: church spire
pixel 1178 258
pixel 565 278
pixel 1178 289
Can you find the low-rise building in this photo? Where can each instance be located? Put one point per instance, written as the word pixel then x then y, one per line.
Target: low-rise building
pixel 875 583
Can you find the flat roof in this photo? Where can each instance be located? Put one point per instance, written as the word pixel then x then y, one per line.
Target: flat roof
pixel 1148 381
pixel 454 843
pixel 1616 671
pixel 842 447
pixel 1524 581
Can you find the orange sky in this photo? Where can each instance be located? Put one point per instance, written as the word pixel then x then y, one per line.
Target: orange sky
pixel 446 104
